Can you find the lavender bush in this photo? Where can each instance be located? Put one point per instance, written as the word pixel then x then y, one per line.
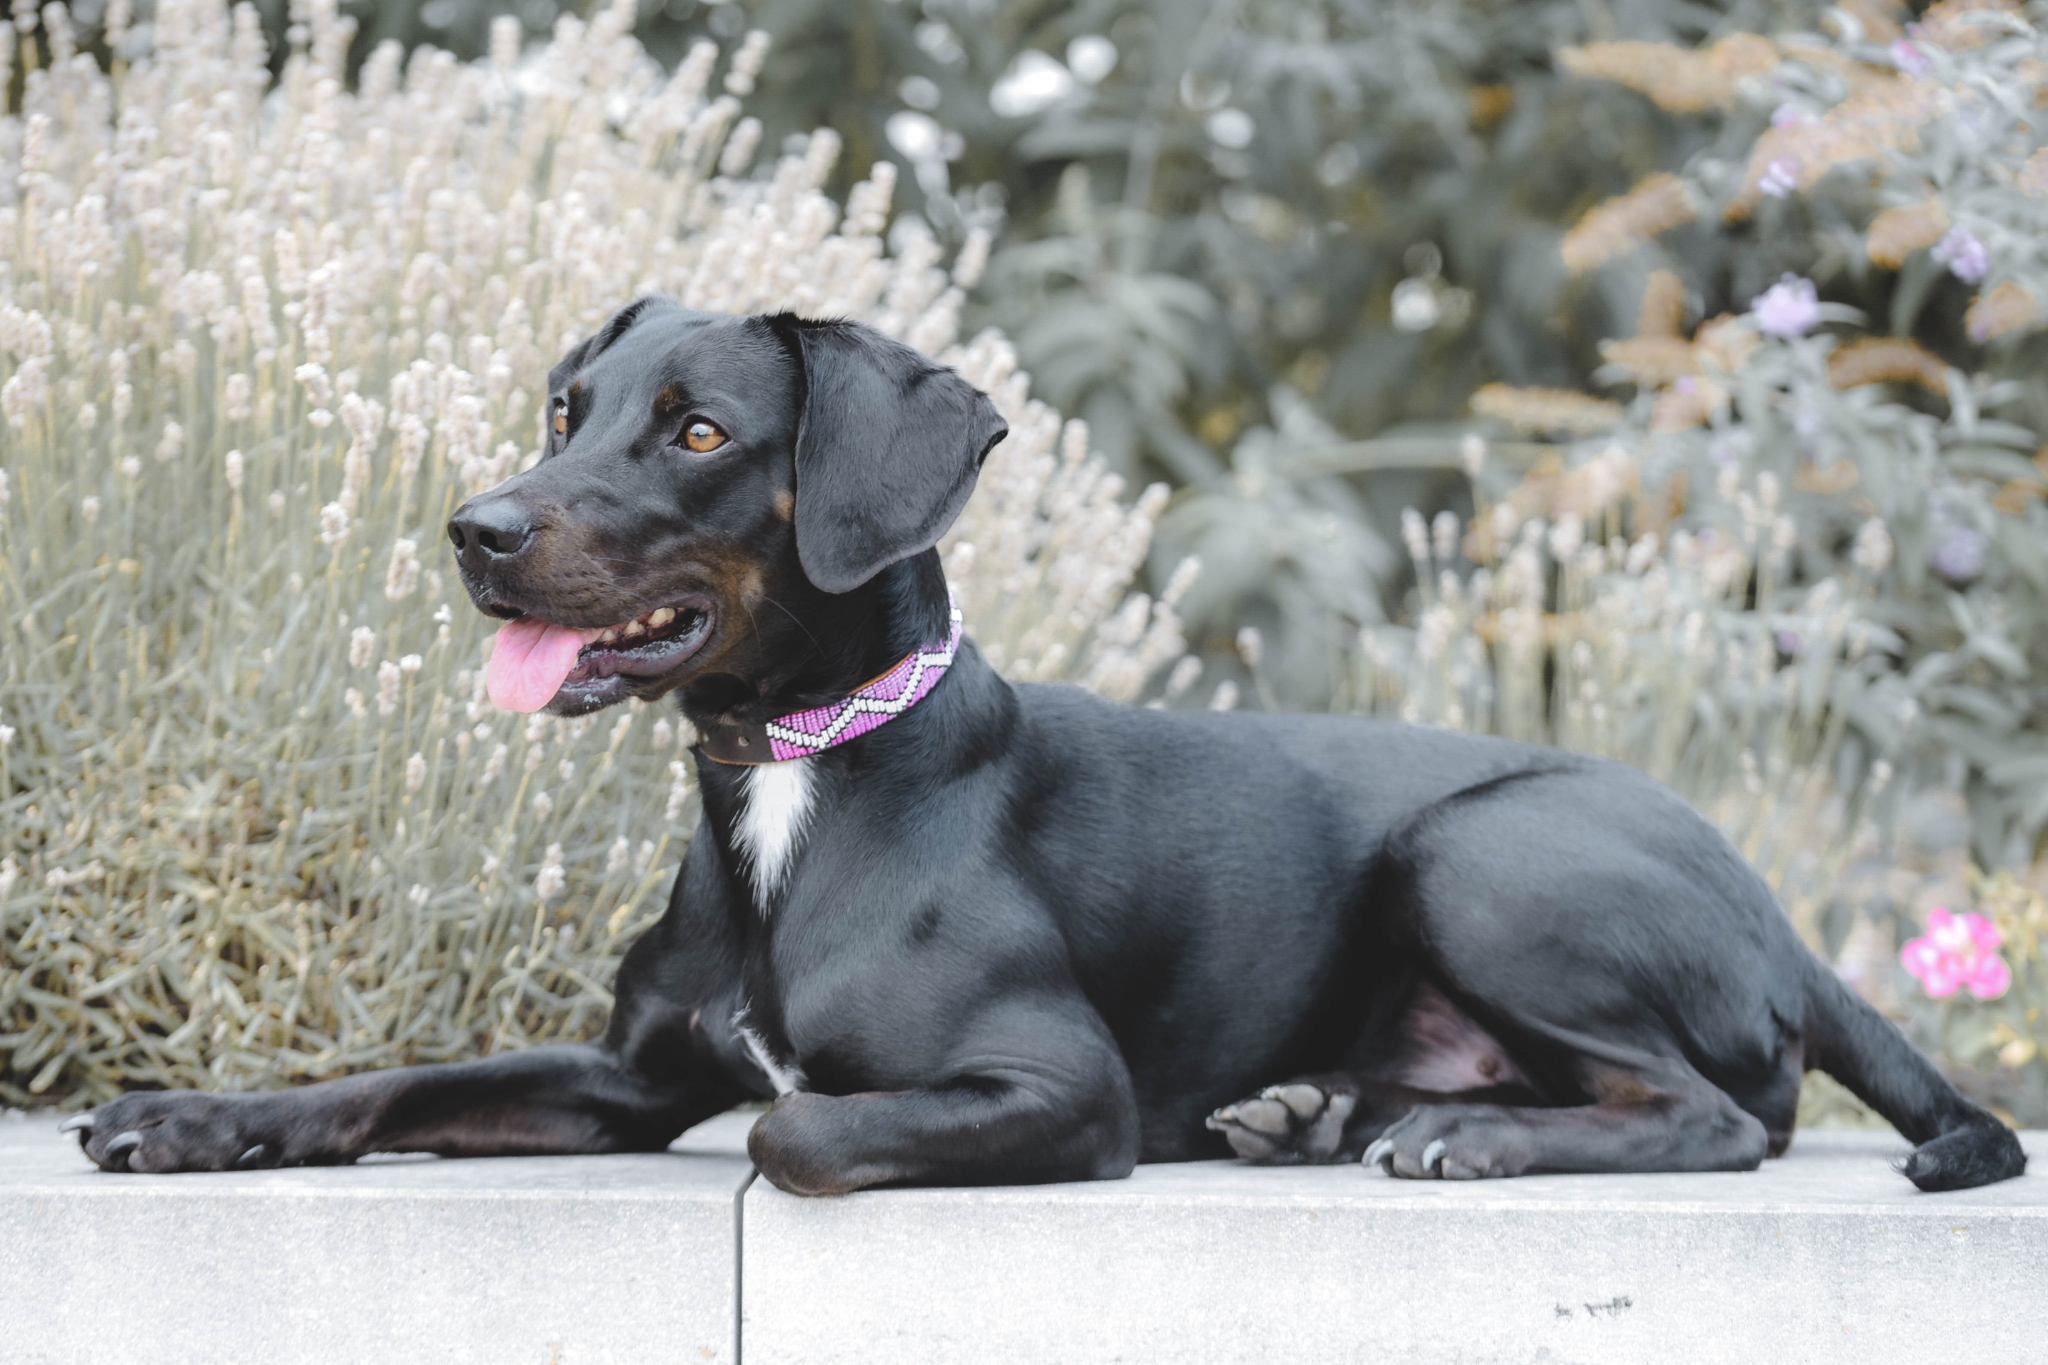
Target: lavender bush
pixel 257 819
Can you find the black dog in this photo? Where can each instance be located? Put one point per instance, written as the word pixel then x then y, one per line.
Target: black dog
pixel 1020 934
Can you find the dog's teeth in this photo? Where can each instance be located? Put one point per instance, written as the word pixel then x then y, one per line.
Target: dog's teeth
pixel 660 618
pixel 633 630
pixel 609 637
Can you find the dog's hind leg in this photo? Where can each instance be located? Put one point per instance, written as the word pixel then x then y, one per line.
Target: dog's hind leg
pixel 1637 971
pixel 1649 1114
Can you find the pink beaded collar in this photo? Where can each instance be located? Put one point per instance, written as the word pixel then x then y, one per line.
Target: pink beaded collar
pixel 800 734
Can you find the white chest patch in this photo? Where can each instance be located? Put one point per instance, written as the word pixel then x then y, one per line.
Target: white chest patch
pixel 787 1080
pixel 775 803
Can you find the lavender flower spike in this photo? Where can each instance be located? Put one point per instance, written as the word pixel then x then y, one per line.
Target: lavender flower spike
pixel 1790 308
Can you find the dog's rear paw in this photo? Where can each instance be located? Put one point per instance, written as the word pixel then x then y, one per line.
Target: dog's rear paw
pixel 1451 1142
pixel 1297 1123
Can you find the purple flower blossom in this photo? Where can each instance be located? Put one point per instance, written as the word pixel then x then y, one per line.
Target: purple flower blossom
pixel 1960 556
pixel 1909 58
pixel 1789 308
pixel 1963 254
pixel 1790 642
pixel 1780 178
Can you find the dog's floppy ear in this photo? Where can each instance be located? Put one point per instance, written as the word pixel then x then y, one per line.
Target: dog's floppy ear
pixel 887 448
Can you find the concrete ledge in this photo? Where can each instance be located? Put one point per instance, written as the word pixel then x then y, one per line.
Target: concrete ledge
pixel 575 1260
pixel 1823 1256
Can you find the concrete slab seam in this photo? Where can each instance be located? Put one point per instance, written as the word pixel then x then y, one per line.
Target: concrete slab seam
pixel 739 1264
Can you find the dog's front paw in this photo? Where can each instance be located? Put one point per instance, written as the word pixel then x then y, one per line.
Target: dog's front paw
pixel 1451 1142
pixel 1293 1124
pixel 801 1149
pixel 177 1130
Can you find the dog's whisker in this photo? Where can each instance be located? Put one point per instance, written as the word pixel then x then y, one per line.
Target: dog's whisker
pixel 815 645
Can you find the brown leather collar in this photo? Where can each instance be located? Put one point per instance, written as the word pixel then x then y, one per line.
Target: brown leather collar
pixel 740 744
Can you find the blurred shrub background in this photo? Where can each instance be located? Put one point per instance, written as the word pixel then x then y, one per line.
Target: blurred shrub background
pixel 1655 378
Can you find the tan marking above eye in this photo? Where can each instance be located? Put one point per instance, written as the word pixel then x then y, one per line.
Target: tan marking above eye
pixel 703 437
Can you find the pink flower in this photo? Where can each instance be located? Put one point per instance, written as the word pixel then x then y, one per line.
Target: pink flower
pixel 1958 950
pixel 1789 308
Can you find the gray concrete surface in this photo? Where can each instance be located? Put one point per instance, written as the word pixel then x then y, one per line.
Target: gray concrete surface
pixel 517 1261
pixel 1823 1256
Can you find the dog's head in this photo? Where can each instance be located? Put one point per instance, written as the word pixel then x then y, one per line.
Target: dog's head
pixel 708 483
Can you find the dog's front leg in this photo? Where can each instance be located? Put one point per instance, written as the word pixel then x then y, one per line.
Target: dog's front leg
pixel 1027 1093
pixel 544 1100
pixel 972 1132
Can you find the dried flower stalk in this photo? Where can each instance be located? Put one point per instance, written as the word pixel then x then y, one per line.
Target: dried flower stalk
pixel 1539 411
pixel 1683 80
pixel 2010 308
pixel 1887 360
pixel 1898 232
pixel 1621 224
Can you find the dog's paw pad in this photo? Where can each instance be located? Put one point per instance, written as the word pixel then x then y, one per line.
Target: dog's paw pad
pixel 1304 1101
pixel 1285 1124
pixel 1265 1116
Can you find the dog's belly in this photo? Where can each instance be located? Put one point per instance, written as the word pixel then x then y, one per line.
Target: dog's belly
pixel 1439 1048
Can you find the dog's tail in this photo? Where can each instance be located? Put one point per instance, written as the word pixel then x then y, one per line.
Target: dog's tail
pixel 1956 1144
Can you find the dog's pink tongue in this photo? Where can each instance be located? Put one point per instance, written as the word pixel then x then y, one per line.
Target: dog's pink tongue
pixel 530 661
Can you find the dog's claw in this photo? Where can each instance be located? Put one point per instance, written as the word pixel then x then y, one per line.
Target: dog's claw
pixel 118 1148
pixel 77 1123
pixel 1378 1154
pixel 255 1157
pixel 1432 1154
pixel 1222 1118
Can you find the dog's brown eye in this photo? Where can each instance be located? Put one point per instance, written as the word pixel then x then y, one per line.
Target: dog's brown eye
pixel 703 437
pixel 561 418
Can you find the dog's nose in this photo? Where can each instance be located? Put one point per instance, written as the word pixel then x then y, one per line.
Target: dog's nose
pixel 487 530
